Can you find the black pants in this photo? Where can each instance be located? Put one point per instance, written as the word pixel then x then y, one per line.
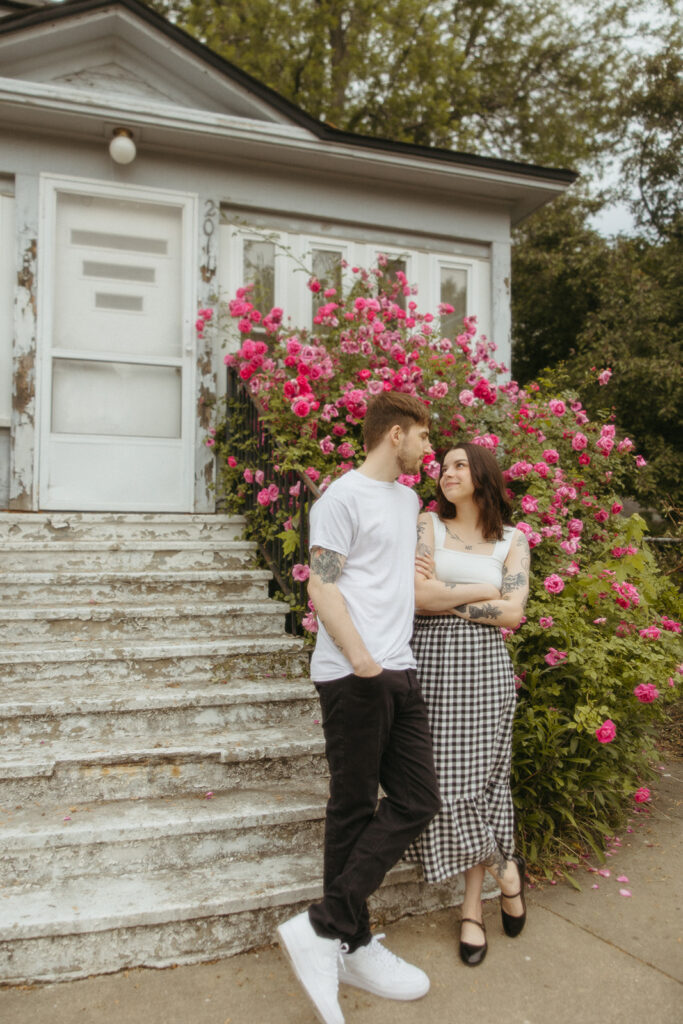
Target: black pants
pixel 376 732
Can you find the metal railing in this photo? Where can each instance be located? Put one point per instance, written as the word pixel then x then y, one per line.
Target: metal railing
pixel 247 432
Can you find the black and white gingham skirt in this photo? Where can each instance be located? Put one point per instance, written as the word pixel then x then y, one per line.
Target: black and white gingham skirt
pixel 468 685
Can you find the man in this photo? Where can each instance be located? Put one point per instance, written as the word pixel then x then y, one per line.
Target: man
pixel 363 537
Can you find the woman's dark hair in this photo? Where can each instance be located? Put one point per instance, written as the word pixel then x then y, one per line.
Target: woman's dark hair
pixel 489 490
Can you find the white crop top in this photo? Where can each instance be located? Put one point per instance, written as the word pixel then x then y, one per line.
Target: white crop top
pixel 466 566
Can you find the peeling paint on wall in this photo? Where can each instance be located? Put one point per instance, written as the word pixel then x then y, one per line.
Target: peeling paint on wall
pixel 24 383
pixel 206 374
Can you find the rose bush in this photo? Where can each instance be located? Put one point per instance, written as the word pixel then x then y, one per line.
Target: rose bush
pixel 596 656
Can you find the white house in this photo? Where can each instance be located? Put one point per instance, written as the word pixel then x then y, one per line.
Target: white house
pixel 104 263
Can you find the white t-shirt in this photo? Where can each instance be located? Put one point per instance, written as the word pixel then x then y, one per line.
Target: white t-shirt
pixel 374 525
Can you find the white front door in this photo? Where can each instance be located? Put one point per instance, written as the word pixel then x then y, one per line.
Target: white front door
pixel 116 349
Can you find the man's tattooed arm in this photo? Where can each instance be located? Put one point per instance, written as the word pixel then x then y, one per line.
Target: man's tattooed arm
pixel 327 565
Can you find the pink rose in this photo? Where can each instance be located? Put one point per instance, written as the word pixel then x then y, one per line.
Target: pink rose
pixel 642 795
pixel 248 476
pixel 529 503
pixel 574 527
pixel 263 497
pixel 541 469
pixel 554 584
pixel 617 508
pixel 232 461
pixel 301 407
pixel 312 473
pixel 310 622
pixel 551 456
pixel 601 516
pixel 584 459
pixel 466 397
pixel 545 621
pixel 300 572
pixel 554 657
pixel 640 462
pixel 346 450
pixel 604 377
pixel 606 732
pixel 326 445
pixel 646 693
pixel 651 633
pixel 625 445
pixel 314 285
pixel 579 442
pixel 557 407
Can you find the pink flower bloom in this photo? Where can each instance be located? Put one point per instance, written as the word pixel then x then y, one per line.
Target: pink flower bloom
pixel 604 377
pixel 642 795
pixel 640 461
pixel 407 480
pixel 313 474
pixel 529 503
pixel 346 450
pixel 651 633
pixel 551 456
pixel 314 285
pixel 263 497
pixel 646 693
pixel 210 442
pixel 554 584
pixel 557 407
pixel 601 516
pixel 584 459
pixel 554 657
pixel 232 461
pixel 524 528
pixel 617 508
pixel 625 446
pixel 534 539
pixel 466 397
pixel 579 442
pixel 300 572
pixel 310 622
pixel 273 492
pixel 248 476
pixel 575 527
pixel 545 621
pixel 671 625
pixel 301 407
pixel 326 445
pixel 606 732
pixel 600 622
pixel 541 469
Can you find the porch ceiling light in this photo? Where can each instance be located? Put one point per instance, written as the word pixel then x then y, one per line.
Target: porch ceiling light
pixel 122 148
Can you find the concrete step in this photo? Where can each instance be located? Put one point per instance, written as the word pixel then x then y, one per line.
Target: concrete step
pixel 39 588
pixel 61 527
pixel 128 621
pixel 107 555
pixel 104 713
pixel 48 844
pixel 53 771
pixel 143 663
pixel 100 925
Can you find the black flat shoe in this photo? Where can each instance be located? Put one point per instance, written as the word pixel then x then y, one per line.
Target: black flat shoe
pixel 513 924
pixel 473 955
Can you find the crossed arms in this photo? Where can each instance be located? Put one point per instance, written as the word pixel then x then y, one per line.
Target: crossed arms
pixel 478 602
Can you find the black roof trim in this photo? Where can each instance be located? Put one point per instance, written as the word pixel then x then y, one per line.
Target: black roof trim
pixel 29 16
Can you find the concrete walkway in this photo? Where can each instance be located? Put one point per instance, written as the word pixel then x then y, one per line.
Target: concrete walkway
pixel 584 957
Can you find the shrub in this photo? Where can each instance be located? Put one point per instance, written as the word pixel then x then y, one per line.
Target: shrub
pixel 600 623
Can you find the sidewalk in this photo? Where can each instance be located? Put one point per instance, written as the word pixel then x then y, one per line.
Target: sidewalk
pixel 584 957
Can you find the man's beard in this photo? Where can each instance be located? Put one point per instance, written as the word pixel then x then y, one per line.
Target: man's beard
pixel 411 468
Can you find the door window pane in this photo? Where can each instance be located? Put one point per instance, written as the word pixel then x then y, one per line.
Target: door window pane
pixel 259 270
pixel 121 399
pixel 454 292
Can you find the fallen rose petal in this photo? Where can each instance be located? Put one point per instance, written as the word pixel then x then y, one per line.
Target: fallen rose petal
pixel 595 886
pixel 208 795
pixel 622 878
pixel 605 872
pixel 624 892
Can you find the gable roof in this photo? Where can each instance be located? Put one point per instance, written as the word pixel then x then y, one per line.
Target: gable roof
pixel 266 104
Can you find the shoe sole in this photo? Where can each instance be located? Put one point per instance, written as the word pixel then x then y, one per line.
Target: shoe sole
pixel 284 946
pixel 376 991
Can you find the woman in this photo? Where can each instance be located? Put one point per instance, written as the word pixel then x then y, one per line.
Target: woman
pixel 472 577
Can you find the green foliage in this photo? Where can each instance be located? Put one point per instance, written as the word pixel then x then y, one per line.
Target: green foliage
pixel 581 301
pixel 535 80
pixel 583 650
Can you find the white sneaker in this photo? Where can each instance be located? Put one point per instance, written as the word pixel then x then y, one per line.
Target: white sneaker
pixel 315 961
pixel 378 970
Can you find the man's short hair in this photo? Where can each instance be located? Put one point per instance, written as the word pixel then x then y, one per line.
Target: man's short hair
pixel 389 409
